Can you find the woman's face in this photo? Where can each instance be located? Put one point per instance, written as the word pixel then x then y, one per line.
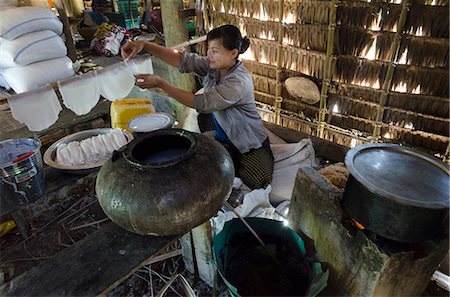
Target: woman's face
pixel 220 57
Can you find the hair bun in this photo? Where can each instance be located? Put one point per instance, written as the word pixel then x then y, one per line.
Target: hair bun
pixel 244 44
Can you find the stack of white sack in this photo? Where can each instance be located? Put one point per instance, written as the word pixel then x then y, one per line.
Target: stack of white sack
pixel 32 52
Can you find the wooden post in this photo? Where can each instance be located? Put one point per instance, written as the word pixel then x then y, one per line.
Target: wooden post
pixel 394 52
pixel 71 51
pixel 279 84
pixel 327 68
pixel 175 32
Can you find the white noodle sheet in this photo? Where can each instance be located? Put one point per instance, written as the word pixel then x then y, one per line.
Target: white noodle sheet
pixel 140 65
pixel 115 81
pixel 80 93
pixel 37 109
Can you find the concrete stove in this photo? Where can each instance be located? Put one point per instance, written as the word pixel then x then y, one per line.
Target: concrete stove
pixel 360 263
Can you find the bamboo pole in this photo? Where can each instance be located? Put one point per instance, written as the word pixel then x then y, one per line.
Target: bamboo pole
pixel 394 52
pixel 206 16
pixel 279 84
pixel 327 67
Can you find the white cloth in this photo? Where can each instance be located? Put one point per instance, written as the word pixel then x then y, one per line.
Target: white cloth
pixel 22 20
pixel 255 204
pixel 38 109
pixel 33 76
pixel 115 81
pixel 80 93
pixel 30 48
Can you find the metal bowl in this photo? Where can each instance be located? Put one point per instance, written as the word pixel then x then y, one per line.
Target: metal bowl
pixel 50 153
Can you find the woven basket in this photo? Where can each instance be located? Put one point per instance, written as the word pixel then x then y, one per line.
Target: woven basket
pixel 303 89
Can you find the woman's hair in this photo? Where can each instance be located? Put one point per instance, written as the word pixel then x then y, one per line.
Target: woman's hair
pixel 231 38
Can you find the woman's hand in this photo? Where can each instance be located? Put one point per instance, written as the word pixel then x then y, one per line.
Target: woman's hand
pixel 130 49
pixel 146 81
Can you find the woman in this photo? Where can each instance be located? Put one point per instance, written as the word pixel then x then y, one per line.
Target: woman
pixel 228 95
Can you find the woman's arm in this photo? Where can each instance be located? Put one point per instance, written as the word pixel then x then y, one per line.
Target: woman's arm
pixel 131 48
pixel 151 81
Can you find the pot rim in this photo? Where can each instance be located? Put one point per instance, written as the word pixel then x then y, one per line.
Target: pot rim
pixel 349 163
pixel 191 137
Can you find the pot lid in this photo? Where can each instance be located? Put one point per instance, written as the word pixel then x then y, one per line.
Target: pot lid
pixel 401 174
pixel 150 122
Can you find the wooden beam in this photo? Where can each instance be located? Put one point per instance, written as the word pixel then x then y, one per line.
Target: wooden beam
pixel 92 266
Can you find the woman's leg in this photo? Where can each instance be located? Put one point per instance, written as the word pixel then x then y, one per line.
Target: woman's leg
pixel 255 167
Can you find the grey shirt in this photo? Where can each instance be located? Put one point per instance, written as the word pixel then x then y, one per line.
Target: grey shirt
pixel 231 99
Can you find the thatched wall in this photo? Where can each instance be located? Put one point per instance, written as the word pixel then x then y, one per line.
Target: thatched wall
pixel 408 84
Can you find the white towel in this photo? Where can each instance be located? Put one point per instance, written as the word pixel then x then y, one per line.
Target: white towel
pixel 38 109
pixel 80 93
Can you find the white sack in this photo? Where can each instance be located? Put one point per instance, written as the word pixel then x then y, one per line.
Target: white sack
pixel 18 21
pixel 30 48
pixel 33 76
pixel 38 109
pixel 3 82
pixel 288 159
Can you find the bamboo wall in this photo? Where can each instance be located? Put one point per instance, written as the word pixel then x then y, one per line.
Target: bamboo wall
pixel 382 66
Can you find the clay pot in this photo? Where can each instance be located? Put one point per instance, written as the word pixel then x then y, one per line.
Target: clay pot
pixel 165 182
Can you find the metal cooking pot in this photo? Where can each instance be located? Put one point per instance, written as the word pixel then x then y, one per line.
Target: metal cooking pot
pixel 397 192
pixel 165 183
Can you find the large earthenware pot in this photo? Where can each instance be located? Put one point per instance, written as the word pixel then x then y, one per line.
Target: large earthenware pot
pixel 165 182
